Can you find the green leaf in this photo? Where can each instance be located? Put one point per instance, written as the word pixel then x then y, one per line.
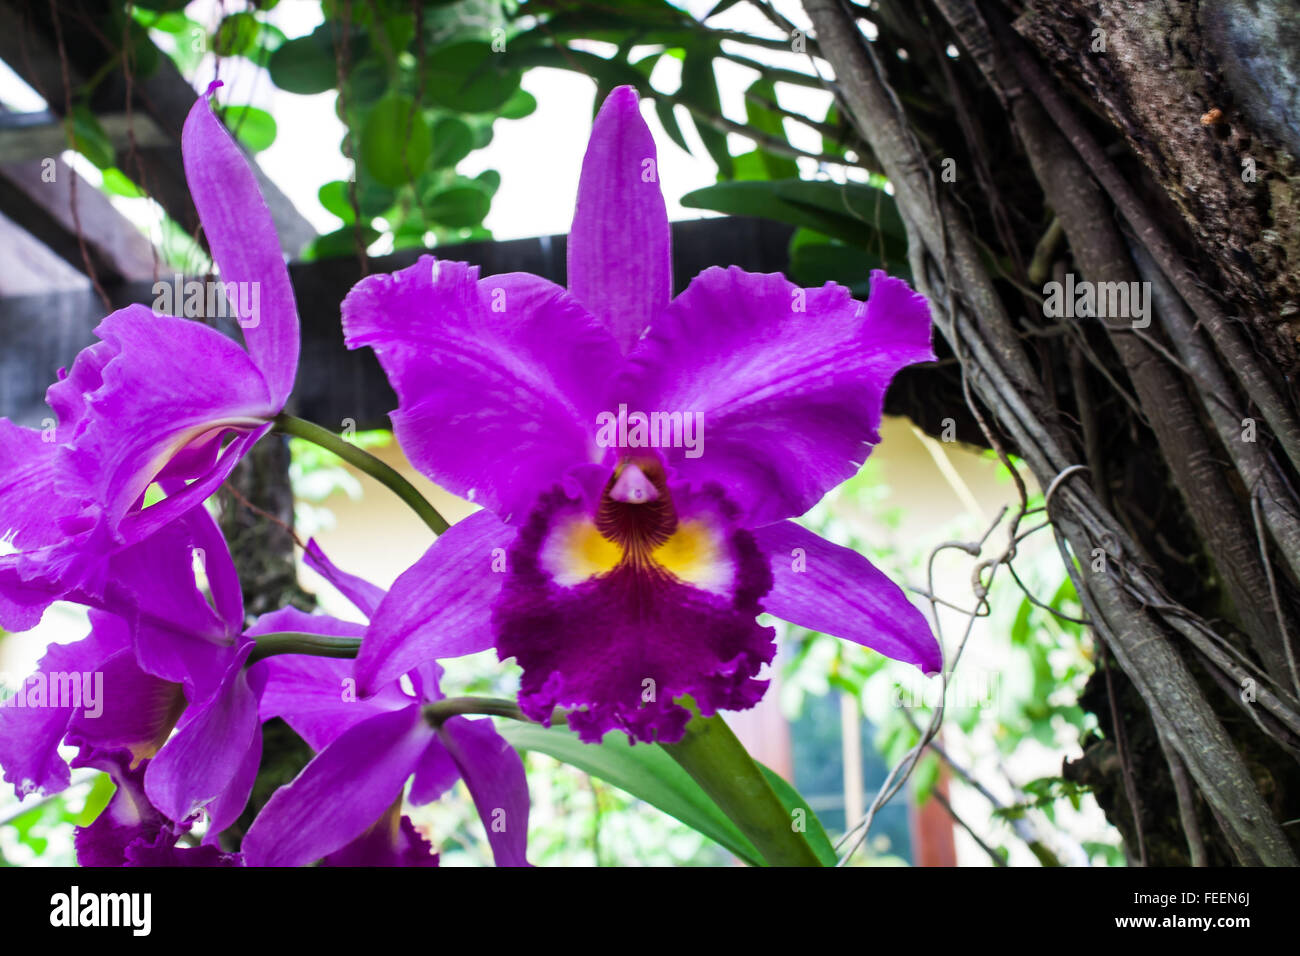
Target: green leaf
pixel 792 801
pixel 101 791
pixel 169 6
pixel 482 134
pixel 453 140
pixel 116 183
pixel 340 242
pixel 253 127
pixel 395 141
pixel 374 198
pixel 90 139
pixel 458 207
pixel 367 82
pixel 307 65
pixel 856 213
pixel 700 89
pixel 766 120
pixel 643 22
pixel 643 770
pixel 468 77
pixel 816 263
pixel 174 23
pixel 710 752
pixel 336 200
pixel 607 73
pixel 491 180
pixel 399 31
pixel 143 53
pixel 239 34
pixel 925 777
pixel 521 104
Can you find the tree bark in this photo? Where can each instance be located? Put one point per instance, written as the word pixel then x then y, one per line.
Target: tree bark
pixel 1173 560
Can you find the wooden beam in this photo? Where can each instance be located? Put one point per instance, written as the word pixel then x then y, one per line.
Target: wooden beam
pixel 26 136
pixel 45 332
pixel 40 201
pixel 29 265
pixel 27 44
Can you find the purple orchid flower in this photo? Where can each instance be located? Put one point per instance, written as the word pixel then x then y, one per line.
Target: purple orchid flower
pixel 132 410
pixel 130 831
pixel 344 808
pixel 638 555
pixel 162 659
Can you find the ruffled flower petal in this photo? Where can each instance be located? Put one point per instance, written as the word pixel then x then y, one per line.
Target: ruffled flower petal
pixel 128 818
pixel 32 726
pixel 623 629
pixel 164 851
pixel 27 469
pixel 130 831
pixel 150 406
pixel 785 384
pixel 496 378
pixel 392 841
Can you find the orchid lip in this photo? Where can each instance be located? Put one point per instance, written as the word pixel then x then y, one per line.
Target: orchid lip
pixel 636 510
pixel 186 438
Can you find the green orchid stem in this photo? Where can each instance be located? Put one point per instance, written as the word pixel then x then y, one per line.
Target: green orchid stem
pixel 293 642
pixel 722 767
pixel 442 710
pixel 372 466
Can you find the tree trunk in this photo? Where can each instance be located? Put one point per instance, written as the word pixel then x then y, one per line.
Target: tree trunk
pixel 1159 139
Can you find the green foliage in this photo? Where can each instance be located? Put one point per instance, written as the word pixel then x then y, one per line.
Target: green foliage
pixel 844 229
pixel 396 141
pixel 760 115
pixel 117 183
pixel 253 127
pixel 469 77
pixel 169 6
pixel 1043 662
pixel 459 207
pixel 699 91
pixel 418 98
pixel 307 65
pixel 89 138
pixel 646 772
pixel 243 34
pixel 855 213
